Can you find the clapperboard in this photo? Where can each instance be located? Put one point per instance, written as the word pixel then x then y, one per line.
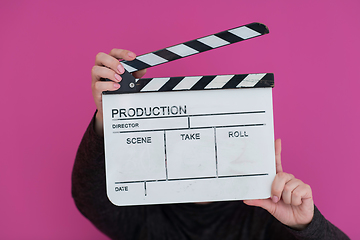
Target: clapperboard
pixel 193 138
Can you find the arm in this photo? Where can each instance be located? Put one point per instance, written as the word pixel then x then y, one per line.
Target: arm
pixel 88 181
pixel 292 204
pixel 89 191
pixel 88 176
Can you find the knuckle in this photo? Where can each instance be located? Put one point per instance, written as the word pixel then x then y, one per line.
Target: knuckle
pixel 99 55
pixel 308 188
pixel 299 181
pixel 93 70
pixel 287 188
pixel 114 62
pixel 296 198
pixel 115 51
pixel 296 193
pixel 282 175
pixel 96 86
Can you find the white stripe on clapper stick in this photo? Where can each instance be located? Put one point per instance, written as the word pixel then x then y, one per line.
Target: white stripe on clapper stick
pixel 251 80
pixel 152 59
pixel 244 32
pixel 155 84
pixel 182 50
pixel 128 68
pixel 219 81
pixel 187 83
pixel 213 41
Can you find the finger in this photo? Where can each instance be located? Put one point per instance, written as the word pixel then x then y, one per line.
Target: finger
pixel 139 74
pixel 278 155
pixel 278 185
pixel 290 186
pixel 122 54
pixel 101 86
pixel 300 193
pixel 98 72
pixel 267 204
pixel 109 61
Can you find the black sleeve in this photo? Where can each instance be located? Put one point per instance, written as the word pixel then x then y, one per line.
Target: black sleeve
pixel 319 229
pixel 89 191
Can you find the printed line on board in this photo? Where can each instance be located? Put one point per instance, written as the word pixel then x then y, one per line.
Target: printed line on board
pixel 195 178
pixel 173 129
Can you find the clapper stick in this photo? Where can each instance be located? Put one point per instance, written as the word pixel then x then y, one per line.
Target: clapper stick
pixel 196 46
pixel 130 84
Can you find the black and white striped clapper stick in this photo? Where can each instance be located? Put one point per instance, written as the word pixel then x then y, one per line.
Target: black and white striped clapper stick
pixel 196 46
pixel 130 84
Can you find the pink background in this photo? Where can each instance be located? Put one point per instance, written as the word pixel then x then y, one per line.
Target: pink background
pixel 48 48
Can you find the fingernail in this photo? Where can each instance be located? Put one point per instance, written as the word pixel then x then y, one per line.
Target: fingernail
pixel 131 54
pixel 116 85
pixel 121 69
pixel 117 77
pixel 275 199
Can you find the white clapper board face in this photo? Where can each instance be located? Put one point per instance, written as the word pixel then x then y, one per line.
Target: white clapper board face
pixel 189 139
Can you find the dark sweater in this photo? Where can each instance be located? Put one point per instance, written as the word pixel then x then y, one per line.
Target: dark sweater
pixel 218 220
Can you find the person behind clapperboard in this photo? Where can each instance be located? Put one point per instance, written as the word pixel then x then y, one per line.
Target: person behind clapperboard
pixel 290 214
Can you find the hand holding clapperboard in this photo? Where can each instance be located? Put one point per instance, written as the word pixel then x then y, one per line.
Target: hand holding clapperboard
pixel 198 138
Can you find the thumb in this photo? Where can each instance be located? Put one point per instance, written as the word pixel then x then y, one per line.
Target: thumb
pixel 266 204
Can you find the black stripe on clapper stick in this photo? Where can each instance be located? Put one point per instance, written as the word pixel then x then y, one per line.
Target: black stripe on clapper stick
pixel 258 27
pixel 171 83
pixel 198 46
pixel 142 82
pixel 166 54
pixel 203 82
pixel 228 36
pixel 137 64
pixel 234 81
pixel 266 81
